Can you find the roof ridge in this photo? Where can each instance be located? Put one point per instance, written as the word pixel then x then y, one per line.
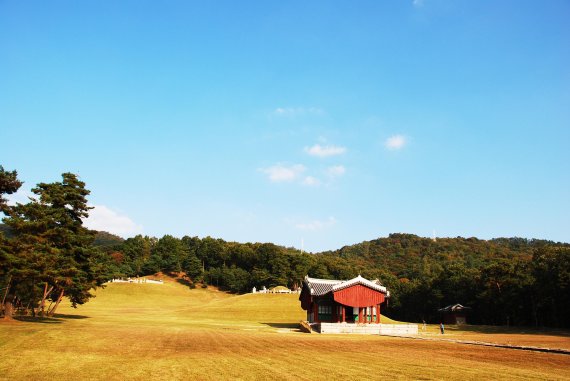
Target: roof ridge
pixel 322 286
pixel 361 280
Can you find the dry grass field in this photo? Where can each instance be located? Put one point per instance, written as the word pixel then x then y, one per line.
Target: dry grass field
pixel 168 332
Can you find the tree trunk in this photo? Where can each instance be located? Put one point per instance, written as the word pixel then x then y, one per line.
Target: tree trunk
pixel 7 290
pixel 8 309
pixel 52 311
pixel 44 297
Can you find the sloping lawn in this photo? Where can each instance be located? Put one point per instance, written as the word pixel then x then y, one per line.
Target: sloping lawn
pixel 169 332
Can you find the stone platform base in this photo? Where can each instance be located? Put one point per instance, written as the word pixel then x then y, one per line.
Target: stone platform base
pixel 367 329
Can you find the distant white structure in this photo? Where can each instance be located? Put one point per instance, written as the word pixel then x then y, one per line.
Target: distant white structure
pixel 262 291
pixel 275 290
pixel 136 280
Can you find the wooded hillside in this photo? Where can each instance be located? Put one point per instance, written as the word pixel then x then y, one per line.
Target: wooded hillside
pixel 46 253
pixel 506 280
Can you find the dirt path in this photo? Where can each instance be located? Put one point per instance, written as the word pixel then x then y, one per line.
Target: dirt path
pixel 496 345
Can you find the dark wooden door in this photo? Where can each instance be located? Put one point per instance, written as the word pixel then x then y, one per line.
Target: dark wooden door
pixel 348 314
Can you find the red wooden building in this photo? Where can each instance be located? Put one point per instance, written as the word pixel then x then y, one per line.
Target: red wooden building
pixel 357 300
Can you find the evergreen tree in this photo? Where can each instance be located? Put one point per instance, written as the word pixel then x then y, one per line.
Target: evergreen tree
pixel 193 268
pixel 52 252
pixel 9 184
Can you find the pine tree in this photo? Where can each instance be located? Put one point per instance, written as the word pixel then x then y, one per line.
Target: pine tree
pixel 9 184
pixel 51 249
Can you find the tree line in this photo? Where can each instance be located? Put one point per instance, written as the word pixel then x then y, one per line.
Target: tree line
pixel 47 253
pixel 507 281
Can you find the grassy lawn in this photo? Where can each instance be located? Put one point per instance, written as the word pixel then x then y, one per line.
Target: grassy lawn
pixel 544 338
pixel 168 332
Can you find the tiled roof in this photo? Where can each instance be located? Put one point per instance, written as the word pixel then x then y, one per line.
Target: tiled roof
pixel 360 280
pixel 320 287
pixel 453 308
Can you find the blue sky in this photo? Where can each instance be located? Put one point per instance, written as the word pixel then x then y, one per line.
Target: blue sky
pixel 324 121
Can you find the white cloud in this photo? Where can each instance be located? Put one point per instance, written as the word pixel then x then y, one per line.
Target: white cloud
pixel 316 224
pixel 395 142
pixel 281 173
pixel 418 3
pixel 297 111
pixel 311 181
pixel 100 217
pixel 325 151
pixel 22 196
pixel 336 170
pixel 103 218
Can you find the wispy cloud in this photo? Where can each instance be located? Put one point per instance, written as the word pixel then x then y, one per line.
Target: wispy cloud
pixel 316 225
pixel 418 3
pixel 325 151
pixel 282 173
pixel 297 111
pixel 103 218
pixel 336 170
pixel 396 142
pixel 311 181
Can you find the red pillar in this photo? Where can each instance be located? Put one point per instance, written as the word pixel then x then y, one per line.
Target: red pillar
pixel 343 314
pixel 315 313
pixel 360 315
pixel 377 313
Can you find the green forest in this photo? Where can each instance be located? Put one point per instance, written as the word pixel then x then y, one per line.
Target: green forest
pixel 47 254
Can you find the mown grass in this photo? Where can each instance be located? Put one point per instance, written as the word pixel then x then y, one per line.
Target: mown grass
pixel 168 332
pixel 518 336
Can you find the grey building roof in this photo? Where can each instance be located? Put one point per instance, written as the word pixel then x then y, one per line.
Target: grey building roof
pixel 454 308
pixel 320 287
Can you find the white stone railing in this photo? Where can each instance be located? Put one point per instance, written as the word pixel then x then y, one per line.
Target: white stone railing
pixel 369 329
pixel 399 329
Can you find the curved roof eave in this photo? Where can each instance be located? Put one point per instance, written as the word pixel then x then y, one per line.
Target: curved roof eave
pixel 362 281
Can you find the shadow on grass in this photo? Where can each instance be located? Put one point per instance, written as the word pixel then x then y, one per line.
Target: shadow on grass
pixel 490 329
pixel 190 284
pixel 74 317
pixel 292 326
pixel 184 282
pixel 57 319
pixel 41 320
